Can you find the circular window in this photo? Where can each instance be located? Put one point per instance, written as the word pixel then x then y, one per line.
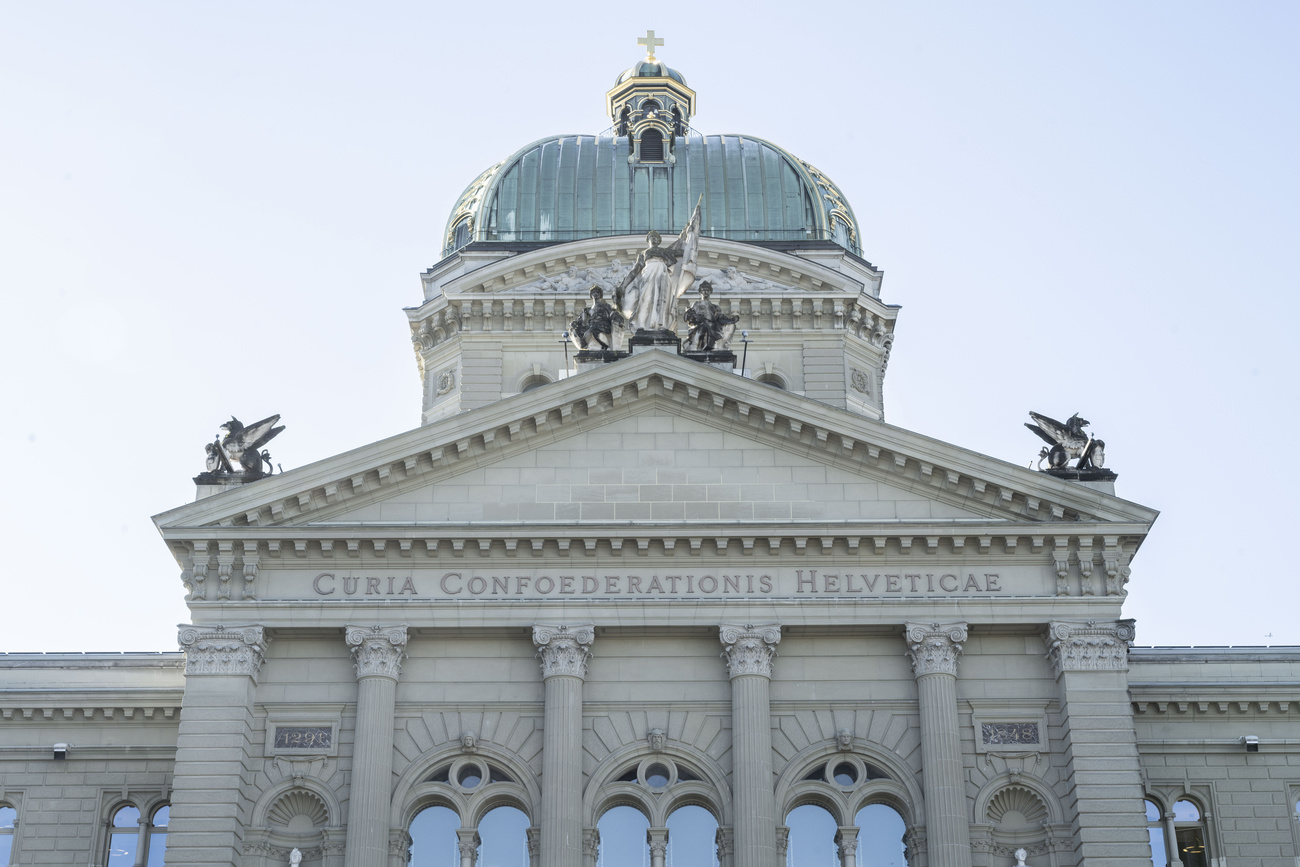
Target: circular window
pixel 657 776
pixel 469 776
pixel 845 774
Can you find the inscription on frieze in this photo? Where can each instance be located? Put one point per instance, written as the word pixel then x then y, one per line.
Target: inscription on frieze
pixel 1010 734
pixel 304 737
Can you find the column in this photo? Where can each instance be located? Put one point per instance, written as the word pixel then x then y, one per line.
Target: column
pixel 657 840
pixel 846 844
pixel 749 651
pixel 726 847
pixel 212 760
pixel 1090 661
pixel 377 654
pixel 934 649
pixel 564 651
pixel 590 847
pixel 467 841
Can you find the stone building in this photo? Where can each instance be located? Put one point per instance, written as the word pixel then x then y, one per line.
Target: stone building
pixel 655 587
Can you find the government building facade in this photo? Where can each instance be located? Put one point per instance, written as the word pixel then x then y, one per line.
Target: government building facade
pixel 657 596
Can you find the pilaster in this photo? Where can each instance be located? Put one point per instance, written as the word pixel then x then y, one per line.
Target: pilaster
pixel 208 802
pixel 749 652
pixel 657 840
pixel 1090 660
pixel 934 649
pixel 564 651
pixel 377 654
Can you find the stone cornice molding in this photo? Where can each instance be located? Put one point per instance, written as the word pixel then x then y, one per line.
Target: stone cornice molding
pixel 770 417
pixel 1089 645
pixel 564 650
pixel 222 650
pixel 377 651
pixel 934 648
pixel 749 649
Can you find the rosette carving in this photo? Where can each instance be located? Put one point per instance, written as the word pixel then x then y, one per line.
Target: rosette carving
pixel 377 651
pixel 749 649
pixel 934 647
pixel 564 649
pixel 1089 645
pixel 223 650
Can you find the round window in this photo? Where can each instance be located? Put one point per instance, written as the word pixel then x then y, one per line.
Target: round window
pixel 469 776
pixel 845 774
pixel 657 776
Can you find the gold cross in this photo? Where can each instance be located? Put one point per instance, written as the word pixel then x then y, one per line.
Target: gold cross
pixel 650 43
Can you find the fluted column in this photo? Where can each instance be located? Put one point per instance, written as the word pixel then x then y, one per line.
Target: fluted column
pixel 749 651
pixel 1090 660
pixel 564 651
pixel 212 756
pixel 657 840
pixel 846 843
pixel 934 649
pixel 377 654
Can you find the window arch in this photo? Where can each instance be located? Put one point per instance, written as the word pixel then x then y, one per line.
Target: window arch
pixel 536 380
pixel 1184 827
pixel 123 837
pixel 8 825
pixel 503 836
pixel 692 837
pixel 880 836
pixel 812 836
pixel 156 842
pixel 434 842
pixel 622 832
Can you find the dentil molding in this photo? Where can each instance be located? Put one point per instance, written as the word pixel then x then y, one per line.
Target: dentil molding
pixel 237 650
pixel 564 650
pixel 749 649
pixel 1089 645
pixel 934 647
pixel 377 651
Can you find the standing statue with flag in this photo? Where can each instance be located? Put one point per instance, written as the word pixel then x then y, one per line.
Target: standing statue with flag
pixel 648 295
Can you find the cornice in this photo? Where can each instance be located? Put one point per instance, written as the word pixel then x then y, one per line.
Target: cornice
pixel 779 419
pixel 106 704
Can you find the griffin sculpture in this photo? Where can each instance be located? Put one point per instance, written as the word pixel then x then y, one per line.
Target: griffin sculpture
pixel 1068 441
pixel 239 454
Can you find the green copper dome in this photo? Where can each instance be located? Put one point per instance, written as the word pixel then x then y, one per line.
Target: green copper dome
pixel 650 69
pixel 567 188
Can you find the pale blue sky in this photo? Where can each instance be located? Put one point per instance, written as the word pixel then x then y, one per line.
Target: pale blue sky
pixel 209 209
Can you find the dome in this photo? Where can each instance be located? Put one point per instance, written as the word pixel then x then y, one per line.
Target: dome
pixel 650 69
pixel 566 188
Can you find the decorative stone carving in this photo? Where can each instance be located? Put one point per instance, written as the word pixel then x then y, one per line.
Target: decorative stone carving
pixel 564 650
pixel 914 845
pixel 846 841
pixel 295 857
pixel 657 740
pixel 726 845
pixel 782 841
pixel 749 649
pixel 377 650
pixel 590 843
pixel 228 651
pixel 399 845
pixel 467 843
pixel 446 381
pixel 469 743
pixel 844 740
pixel 648 295
pixel 1002 734
pixel 1089 646
pixel 730 279
pixel 934 647
pixel 861 380
pixel 657 840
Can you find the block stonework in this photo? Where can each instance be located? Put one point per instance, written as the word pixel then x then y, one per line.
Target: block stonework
pixel 572 574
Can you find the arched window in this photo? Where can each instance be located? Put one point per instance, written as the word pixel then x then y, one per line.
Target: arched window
pixel 124 837
pixel 461 233
pixel 880 837
pixel 157 837
pixel 433 838
pixel 8 820
pixel 692 838
pixel 812 837
pixel 503 832
pixel 771 379
pixel 1189 833
pixel 652 146
pixel 623 838
pixel 534 381
pixel 1156 834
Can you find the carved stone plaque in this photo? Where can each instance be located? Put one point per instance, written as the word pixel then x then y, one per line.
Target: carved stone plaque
pixel 304 737
pixel 1010 734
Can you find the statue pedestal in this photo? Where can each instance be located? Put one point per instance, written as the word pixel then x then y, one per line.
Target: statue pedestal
pixel 600 356
pixel 660 338
pixel 722 359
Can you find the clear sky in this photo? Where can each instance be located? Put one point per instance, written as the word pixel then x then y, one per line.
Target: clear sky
pixel 216 209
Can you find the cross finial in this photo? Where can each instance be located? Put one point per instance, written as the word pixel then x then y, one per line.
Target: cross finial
pixel 650 43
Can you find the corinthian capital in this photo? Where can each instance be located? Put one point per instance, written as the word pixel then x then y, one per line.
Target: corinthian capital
pixel 749 649
pixel 934 647
pixel 223 650
pixel 1089 645
pixel 564 649
pixel 377 650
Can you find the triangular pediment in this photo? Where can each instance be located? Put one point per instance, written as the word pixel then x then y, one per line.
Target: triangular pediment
pixel 658 438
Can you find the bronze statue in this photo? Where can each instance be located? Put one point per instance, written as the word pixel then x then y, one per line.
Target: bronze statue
pixel 595 327
pixel 711 329
pixel 239 455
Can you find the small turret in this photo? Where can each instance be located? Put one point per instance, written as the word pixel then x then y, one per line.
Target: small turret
pixel 651 105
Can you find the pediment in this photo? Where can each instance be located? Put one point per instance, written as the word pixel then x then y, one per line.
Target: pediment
pixel 661 431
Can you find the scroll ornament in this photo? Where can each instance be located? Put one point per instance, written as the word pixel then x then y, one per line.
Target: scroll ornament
pixel 1089 645
pixel 564 650
pixel 377 650
pixel 749 649
pixel 223 650
pixel 934 647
